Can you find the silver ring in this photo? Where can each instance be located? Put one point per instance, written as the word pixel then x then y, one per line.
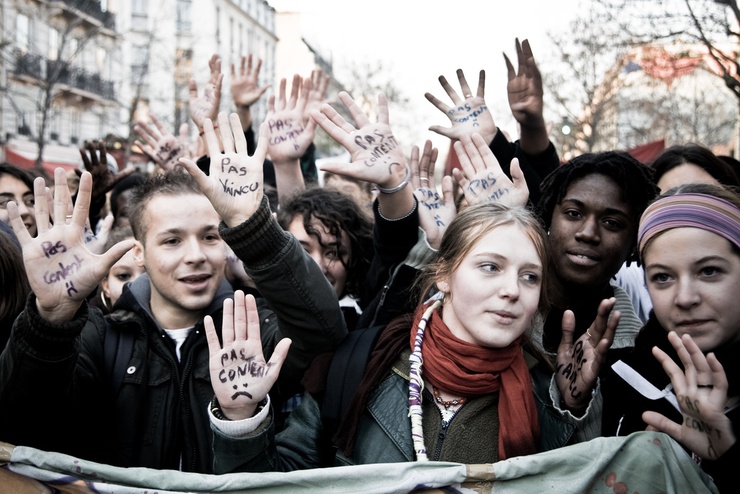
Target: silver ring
pixel 589 334
pixel 424 178
pixel 468 96
pixel 710 386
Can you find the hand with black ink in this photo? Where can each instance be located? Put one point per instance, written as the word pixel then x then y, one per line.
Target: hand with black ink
pixel 376 155
pixel 468 114
pixel 435 211
pixel 526 99
pixel 206 105
pixel 288 137
pixel 161 146
pixel 578 365
pixel 234 184
pixel 240 376
pixel 61 269
pixel 701 389
pixel 481 177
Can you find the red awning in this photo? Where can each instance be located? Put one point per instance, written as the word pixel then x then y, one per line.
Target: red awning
pixel 23 154
pixel 646 153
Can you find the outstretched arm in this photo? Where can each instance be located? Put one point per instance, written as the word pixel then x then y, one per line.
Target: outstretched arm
pixel 245 88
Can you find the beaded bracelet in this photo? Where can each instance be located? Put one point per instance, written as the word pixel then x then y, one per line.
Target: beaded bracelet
pixel 398 187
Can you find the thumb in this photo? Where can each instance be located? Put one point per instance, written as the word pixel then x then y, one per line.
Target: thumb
pixel 517 176
pixel 568 326
pixel 279 354
pixel 116 252
pixel 200 178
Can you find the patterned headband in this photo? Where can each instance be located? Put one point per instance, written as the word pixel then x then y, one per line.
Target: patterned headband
pixel 702 211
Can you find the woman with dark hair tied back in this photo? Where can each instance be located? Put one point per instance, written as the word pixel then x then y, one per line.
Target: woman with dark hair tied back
pixel 677 165
pixel 683 375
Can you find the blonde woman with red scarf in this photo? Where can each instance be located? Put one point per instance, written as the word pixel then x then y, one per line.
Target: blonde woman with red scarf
pixel 455 380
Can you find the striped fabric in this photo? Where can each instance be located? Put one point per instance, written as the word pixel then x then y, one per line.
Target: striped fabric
pixel 689 210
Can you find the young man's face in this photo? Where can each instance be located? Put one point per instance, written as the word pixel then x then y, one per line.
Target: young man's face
pixel 183 255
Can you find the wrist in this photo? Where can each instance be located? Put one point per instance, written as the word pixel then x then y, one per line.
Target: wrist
pixel 391 187
pixel 241 413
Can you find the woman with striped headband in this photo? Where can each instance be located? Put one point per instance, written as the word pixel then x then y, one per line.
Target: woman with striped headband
pixel 689 243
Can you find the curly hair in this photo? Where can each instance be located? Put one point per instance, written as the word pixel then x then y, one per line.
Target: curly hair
pixel 338 213
pixel 634 180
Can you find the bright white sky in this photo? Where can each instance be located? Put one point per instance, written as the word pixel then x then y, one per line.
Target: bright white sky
pixel 419 40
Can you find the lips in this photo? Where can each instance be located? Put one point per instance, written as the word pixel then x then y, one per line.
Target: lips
pixel 585 258
pixel 504 317
pixel 692 323
pixel 196 281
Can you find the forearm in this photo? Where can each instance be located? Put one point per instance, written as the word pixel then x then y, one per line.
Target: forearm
pixel 533 138
pixel 288 179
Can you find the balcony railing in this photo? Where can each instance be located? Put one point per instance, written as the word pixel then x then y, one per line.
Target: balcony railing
pixel 92 8
pixel 60 72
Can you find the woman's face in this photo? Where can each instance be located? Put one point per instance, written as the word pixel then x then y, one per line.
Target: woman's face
pixel 329 253
pixel 14 189
pixel 125 270
pixel 688 173
pixel 591 232
pixel 693 277
pixel 492 296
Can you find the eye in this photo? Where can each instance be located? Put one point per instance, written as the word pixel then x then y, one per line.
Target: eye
pixel 531 278
pixel 212 237
pixel 490 267
pixel 572 214
pixel 29 202
pixel 4 203
pixel 710 271
pixel 123 277
pixel 171 241
pixel 331 254
pixel 612 223
pixel 660 278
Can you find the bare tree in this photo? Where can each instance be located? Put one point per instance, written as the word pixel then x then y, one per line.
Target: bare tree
pixel 29 64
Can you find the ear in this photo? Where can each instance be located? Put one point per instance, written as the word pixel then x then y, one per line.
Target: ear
pixel 139 257
pixel 104 286
pixel 443 286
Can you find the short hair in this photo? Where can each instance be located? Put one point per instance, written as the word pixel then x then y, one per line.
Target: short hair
pixel 700 156
pixel 117 234
pixel 472 224
pixel 19 173
pixel 172 183
pixel 632 177
pixel 339 213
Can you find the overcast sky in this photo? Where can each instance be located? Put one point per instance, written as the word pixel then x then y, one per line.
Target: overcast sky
pixel 419 40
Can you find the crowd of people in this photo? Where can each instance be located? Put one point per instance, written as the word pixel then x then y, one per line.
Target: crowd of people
pixel 228 313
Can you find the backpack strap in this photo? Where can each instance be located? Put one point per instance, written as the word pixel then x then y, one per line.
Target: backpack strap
pixel 118 346
pixel 346 371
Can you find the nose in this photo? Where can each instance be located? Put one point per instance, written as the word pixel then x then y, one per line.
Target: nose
pixel 194 251
pixel 23 210
pixel 320 261
pixel 687 295
pixel 510 286
pixel 588 231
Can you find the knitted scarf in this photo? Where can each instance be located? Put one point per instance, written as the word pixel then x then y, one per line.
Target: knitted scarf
pixel 471 370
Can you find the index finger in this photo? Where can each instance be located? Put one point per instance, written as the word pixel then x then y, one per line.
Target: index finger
pixel 253 320
pixel 360 118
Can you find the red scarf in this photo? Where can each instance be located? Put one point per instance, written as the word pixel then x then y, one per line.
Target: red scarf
pixel 471 370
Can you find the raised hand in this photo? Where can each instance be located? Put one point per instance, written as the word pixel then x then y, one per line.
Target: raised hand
pixel 235 181
pixel 435 211
pixel 95 160
pixel 525 87
pixel 375 152
pixel 481 177
pixel 578 365
pixel 240 376
pixel 317 94
pixel 288 137
pixel 61 269
pixel 245 88
pixel 161 146
pixel 206 105
pixel 468 114
pixel 701 389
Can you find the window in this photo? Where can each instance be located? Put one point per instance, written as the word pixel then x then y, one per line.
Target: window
pixel 53 44
pixel 139 11
pixel 22 32
pixel 140 65
pixel 218 26
pixel 182 20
